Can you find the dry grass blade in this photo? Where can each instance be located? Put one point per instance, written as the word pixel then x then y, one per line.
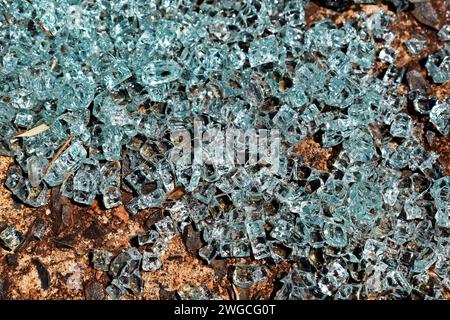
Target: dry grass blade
pixel 58 153
pixel 33 132
pixel 43 28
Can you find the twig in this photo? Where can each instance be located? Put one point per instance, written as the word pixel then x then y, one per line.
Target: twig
pixel 54 64
pixel 7 17
pixel 58 153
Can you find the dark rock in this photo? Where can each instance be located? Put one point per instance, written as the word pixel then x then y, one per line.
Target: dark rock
pixel 154 217
pixel 166 295
pixel 11 260
pixel 94 290
pixel 416 82
pixel 336 5
pixel 4 285
pixel 148 187
pixel 67 216
pixel 65 242
pixel 176 194
pixel 400 5
pixel 425 13
pixel 44 276
pixel 242 293
pixel 61 211
pixel 192 239
pixel 220 268
pixel 93 232
pixel 176 257
pixel 231 292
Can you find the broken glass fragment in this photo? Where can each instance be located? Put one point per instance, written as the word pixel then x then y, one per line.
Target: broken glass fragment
pixel 263 51
pixel 151 261
pixel 244 276
pixel 187 292
pixel 444 33
pixel 416 45
pixel 116 290
pixel 101 259
pixel 65 163
pixel 10 237
pixel 440 116
pixel 401 126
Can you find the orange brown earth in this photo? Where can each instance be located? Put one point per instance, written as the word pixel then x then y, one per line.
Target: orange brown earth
pixel 64 252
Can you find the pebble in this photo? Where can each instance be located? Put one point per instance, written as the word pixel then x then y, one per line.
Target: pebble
pixel 93 290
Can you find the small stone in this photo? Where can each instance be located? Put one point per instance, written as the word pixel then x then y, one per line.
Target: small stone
pixel 130 258
pixel 440 117
pixel 187 292
pixel 417 82
pixel 400 5
pixel 12 260
pixel 151 261
pixel 263 51
pixel 166 295
pixel 401 126
pixel 438 65
pixel 425 13
pixel 43 273
pixel 154 217
pixel 94 290
pixel 192 240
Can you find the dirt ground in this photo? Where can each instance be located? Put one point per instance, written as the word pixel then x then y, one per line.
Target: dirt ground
pixel 75 232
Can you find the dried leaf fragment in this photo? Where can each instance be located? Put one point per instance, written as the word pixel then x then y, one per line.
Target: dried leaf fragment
pixel 34 131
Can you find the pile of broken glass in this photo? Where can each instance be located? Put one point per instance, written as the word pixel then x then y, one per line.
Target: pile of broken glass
pixel 92 91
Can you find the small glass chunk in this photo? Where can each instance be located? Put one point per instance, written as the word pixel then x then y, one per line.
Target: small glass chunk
pixel 116 290
pixel 263 51
pixel 151 261
pixel 401 126
pixel 444 33
pixel 11 238
pixel 244 276
pixel 416 45
pixel 187 292
pixel 440 117
pixel 101 259
pixel 65 163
